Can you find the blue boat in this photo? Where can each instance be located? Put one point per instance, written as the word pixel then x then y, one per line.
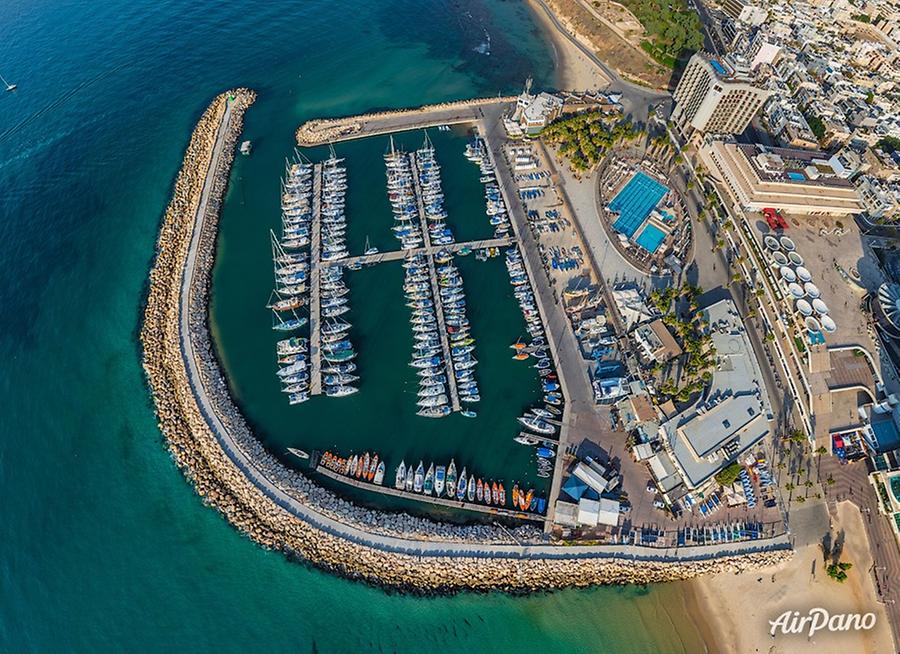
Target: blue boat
pixel 541 505
pixel 545 452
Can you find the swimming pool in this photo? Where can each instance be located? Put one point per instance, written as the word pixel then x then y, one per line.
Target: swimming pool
pixel 635 202
pixel 797 177
pixel 651 238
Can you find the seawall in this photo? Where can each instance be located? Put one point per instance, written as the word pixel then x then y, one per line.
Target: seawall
pixel 282 509
pixel 328 130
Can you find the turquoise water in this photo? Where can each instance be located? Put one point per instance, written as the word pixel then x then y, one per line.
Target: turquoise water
pixel 103 544
pixel 651 238
pixel 635 202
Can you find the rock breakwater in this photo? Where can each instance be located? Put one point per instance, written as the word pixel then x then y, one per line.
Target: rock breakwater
pixel 282 509
pixel 326 130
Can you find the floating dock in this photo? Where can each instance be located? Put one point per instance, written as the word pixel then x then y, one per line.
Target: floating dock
pixel 430 499
pixel 315 252
pixel 435 289
pixel 399 255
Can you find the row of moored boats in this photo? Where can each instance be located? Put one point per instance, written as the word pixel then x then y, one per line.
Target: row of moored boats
pixel 476 152
pixel 291 259
pixel 442 481
pixel 337 352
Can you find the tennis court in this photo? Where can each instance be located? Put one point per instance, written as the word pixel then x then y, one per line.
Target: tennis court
pixel 635 202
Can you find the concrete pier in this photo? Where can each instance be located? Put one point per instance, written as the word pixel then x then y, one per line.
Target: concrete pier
pixel 315 314
pixel 429 499
pixel 399 255
pixel 435 289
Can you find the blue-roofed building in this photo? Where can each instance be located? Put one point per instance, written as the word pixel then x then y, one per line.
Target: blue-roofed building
pixel 883 431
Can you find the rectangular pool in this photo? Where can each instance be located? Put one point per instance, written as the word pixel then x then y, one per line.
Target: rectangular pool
pixel 635 202
pixel 651 238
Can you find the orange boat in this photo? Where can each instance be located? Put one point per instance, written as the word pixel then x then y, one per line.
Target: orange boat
pixel 479 490
pixel 363 468
pixel 518 345
pixel 495 493
pixel 515 495
pixel 521 356
pixel 373 466
pixel 527 503
pixel 487 492
pixel 502 495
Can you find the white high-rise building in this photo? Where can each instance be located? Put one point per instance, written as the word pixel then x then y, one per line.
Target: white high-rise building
pixel 716 96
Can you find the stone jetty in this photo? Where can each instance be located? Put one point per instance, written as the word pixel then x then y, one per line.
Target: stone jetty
pixel 282 509
pixel 329 130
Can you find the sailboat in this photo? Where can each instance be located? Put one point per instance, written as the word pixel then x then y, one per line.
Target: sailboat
pixel 9 87
pixel 370 249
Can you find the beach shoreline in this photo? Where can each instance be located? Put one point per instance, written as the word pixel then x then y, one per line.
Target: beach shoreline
pixel 574 71
pixel 734 610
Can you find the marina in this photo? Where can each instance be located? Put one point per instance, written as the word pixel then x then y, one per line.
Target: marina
pixel 445 192
pixel 427 499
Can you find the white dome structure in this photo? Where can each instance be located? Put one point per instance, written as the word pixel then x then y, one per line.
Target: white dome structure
pixel 779 258
pixel 887 308
pixel 828 325
pixel 819 307
pixel 787 244
pixel 803 274
pixel 796 290
pixel 813 325
pixel 795 259
pixel 788 275
pixel 804 308
pixel 812 290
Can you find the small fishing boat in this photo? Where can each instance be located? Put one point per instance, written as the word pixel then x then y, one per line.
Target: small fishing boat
pixel 354 462
pixel 541 505
pixel 501 493
pixel 440 476
pixel 379 474
pixel 429 480
pixel 410 478
pixel 300 454
pixel 419 479
pixel 495 493
pixel 521 356
pixel 546 452
pixel 400 479
pixel 470 492
pixel 526 439
pixel 451 479
pixel 461 485
pixel 364 468
pixel 373 466
pixel 515 494
pixel 528 498
pixel 468 414
pixel 479 490
pixel 537 425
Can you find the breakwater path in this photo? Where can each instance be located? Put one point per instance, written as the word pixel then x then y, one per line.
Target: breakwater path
pixel 282 509
pixel 330 130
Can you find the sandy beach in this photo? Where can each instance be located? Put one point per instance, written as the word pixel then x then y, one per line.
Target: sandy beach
pixel 734 610
pixel 576 72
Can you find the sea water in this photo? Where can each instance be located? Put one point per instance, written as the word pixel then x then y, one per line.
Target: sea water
pixel 103 544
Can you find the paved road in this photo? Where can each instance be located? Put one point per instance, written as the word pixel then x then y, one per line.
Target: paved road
pixel 318 520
